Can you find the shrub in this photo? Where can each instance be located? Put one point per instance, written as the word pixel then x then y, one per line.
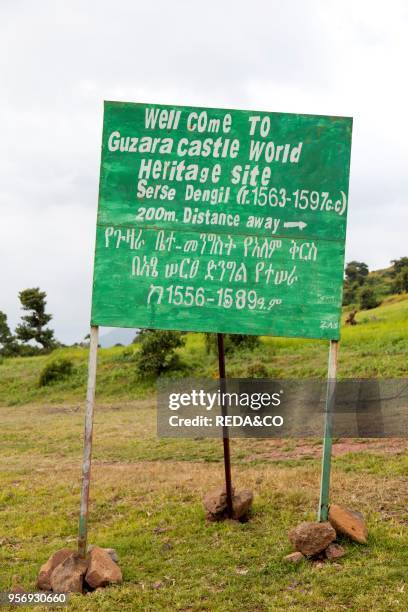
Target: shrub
pixel 157 351
pixel 256 369
pixel 368 299
pixel 243 341
pixel 55 370
pixel 232 342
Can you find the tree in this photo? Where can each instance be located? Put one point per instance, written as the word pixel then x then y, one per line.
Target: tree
pixel 399 264
pixel 368 299
pixel 356 272
pixel 5 333
pixel 34 324
pixel 8 344
pixel 401 281
pixel 400 274
pixel 157 351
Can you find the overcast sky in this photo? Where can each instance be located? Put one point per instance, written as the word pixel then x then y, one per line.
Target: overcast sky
pixel 60 59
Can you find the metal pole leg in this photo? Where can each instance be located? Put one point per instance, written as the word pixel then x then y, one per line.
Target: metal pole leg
pixel 86 463
pixel 323 511
pixel 225 439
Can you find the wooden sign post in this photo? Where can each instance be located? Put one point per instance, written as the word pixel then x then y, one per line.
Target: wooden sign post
pixel 323 511
pixel 87 458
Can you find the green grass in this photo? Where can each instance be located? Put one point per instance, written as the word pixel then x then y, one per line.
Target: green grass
pixel 377 346
pixel 146 492
pixel 146 502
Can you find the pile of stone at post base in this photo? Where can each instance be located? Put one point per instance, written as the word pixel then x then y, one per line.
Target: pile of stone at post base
pixel 66 572
pixel 316 541
pixel 215 504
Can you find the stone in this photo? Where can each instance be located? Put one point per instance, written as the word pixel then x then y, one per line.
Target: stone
pixel 334 551
pixel 101 569
pixel 348 522
pixel 215 504
pixel 241 504
pixel 311 538
pixel 44 576
pixel 68 576
pixel 318 564
pixel 111 552
pixel 295 557
pixel 158 585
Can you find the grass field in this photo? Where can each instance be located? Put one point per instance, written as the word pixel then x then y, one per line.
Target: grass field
pixel 376 347
pixel 146 492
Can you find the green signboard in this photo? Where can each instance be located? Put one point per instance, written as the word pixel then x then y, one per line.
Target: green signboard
pixel 221 220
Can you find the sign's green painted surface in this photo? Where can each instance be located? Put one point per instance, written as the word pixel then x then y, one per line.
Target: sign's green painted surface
pixel 221 220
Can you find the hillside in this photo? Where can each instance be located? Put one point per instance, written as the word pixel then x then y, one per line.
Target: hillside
pixel 378 284
pixel 376 346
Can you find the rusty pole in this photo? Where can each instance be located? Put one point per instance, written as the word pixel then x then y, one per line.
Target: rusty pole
pixel 86 462
pixel 225 435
